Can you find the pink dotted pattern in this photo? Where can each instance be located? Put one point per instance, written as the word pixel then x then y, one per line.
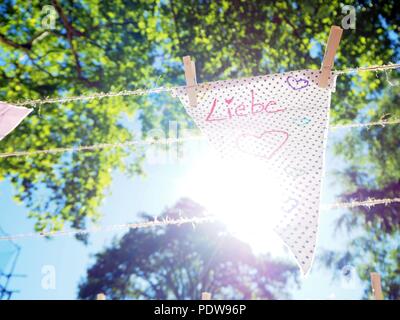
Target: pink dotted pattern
pixel 281 120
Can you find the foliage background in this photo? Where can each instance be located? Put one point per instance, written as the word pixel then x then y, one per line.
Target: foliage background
pixel 103 45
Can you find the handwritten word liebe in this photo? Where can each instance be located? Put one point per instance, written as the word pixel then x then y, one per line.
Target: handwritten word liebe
pixel 229 109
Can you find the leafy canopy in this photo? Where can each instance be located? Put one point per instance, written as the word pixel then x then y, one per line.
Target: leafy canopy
pixel 102 45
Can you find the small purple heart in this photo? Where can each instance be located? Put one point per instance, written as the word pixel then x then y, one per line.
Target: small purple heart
pixel 297 84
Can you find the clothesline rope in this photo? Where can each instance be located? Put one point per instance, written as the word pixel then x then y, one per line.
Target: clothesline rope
pixel 99 146
pixel 141 92
pixel 370 68
pixel 114 227
pixel 382 122
pixel 370 202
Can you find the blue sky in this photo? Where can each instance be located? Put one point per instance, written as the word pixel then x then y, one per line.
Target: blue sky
pixel 160 189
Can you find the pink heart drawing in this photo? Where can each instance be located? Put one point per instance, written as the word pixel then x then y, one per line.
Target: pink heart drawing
pixel 265 145
pixel 297 84
pixel 228 101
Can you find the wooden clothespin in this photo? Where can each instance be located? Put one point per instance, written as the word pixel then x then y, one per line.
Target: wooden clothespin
pixel 376 285
pixel 191 81
pixel 329 58
pixel 206 296
pixel 101 296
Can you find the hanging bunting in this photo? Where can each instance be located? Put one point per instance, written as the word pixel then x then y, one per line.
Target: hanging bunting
pixel 10 117
pixel 281 121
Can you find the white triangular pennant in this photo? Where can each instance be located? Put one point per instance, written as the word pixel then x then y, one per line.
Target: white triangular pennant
pixel 282 121
pixel 10 117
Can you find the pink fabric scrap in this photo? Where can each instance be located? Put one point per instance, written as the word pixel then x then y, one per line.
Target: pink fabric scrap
pixel 10 117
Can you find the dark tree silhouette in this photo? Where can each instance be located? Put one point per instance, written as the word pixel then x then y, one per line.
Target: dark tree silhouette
pixel 181 262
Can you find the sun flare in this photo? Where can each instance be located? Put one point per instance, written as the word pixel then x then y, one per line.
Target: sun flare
pixel 242 195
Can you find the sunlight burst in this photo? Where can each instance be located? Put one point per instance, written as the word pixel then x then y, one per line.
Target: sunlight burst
pixel 242 195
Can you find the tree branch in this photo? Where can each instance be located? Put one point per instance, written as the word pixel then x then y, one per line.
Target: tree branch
pixel 27 46
pixel 71 32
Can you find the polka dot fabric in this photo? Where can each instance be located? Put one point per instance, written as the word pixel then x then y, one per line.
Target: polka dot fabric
pixel 281 120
